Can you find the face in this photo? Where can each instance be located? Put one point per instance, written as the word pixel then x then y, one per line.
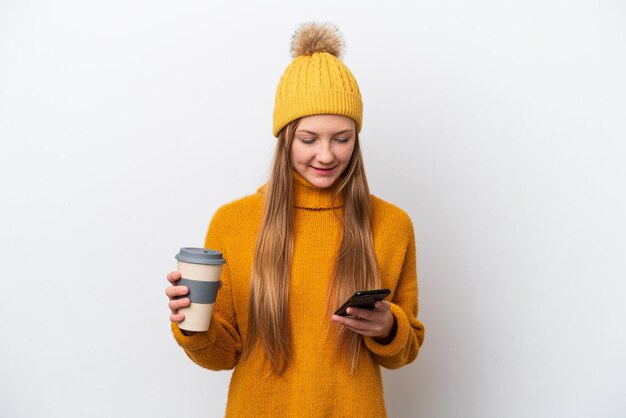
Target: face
pixel 322 148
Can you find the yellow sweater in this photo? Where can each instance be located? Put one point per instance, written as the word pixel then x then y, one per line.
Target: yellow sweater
pixel 315 384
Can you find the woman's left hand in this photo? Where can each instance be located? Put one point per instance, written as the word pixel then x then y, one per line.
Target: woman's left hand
pixel 376 323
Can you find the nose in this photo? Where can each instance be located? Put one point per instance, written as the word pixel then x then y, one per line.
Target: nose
pixel 325 153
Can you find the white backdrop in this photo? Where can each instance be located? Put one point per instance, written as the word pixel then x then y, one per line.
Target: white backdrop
pixel 498 126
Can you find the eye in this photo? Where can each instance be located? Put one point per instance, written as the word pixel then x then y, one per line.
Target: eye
pixel 307 141
pixel 342 140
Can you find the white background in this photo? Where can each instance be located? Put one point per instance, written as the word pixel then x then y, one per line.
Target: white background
pixel 497 125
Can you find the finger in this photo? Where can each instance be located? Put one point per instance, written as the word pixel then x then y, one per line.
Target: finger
pixel 353 323
pixel 382 306
pixel 173 276
pixel 361 313
pixel 176 304
pixel 177 317
pixel 175 291
pixel 362 326
pixel 364 332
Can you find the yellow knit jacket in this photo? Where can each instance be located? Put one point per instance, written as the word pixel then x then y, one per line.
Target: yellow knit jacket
pixel 315 384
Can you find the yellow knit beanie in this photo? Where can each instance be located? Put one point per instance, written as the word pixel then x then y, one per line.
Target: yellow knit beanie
pixel 317 81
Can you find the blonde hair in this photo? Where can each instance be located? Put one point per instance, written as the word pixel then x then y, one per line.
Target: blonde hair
pixel 355 267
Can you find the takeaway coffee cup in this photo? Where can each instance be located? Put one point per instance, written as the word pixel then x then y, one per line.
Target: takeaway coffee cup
pixel 200 271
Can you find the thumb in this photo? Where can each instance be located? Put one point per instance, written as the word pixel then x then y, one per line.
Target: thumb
pixel 382 306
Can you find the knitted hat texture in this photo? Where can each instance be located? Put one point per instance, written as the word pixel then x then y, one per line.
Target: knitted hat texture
pixel 317 81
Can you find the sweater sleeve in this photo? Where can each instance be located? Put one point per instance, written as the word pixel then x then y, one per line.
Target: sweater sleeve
pixel 220 347
pixel 409 334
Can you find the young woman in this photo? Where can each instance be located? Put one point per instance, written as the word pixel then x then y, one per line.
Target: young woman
pixel 297 249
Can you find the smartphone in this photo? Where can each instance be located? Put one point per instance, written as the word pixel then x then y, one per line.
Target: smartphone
pixel 363 299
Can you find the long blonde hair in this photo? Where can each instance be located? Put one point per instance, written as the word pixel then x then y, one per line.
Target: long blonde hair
pixel 355 267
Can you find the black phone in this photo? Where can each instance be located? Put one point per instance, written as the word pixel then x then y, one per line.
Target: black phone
pixel 363 299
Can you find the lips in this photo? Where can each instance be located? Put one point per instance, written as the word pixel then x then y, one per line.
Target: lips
pixel 322 171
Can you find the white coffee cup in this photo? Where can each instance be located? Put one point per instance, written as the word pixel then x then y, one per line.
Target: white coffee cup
pixel 200 271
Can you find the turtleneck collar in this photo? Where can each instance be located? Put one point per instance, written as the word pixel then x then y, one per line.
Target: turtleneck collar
pixel 307 196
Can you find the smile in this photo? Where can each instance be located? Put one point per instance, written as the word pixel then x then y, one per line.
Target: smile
pixel 323 170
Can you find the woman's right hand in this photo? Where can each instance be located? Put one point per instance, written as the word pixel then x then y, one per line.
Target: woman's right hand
pixel 172 292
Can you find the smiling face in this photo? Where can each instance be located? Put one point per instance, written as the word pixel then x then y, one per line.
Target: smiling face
pixel 322 148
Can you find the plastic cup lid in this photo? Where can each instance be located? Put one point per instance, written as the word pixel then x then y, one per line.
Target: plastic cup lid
pixel 200 256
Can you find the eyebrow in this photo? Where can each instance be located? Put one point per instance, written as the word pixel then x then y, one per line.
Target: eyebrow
pixel 315 133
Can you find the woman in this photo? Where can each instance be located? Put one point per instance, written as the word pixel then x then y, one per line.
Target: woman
pixel 297 249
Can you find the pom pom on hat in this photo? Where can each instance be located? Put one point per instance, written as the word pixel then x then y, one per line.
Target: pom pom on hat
pixel 317 82
pixel 315 37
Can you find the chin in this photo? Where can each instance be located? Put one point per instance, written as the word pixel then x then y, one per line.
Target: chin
pixel 324 183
